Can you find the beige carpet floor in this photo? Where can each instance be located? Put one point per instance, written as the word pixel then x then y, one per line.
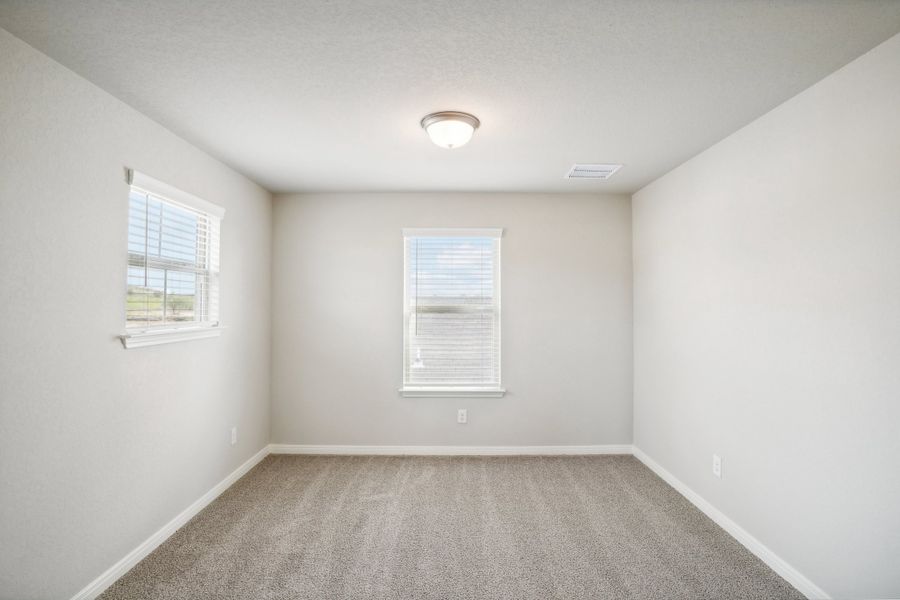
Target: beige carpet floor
pixel 320 527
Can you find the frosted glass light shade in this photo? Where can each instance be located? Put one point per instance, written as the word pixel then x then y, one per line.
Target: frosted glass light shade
pixel 450 129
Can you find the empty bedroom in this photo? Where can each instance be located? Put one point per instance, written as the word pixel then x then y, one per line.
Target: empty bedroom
pixel 418 300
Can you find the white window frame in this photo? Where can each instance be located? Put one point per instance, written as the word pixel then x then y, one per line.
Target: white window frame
pixel 409 391
pixel 138 338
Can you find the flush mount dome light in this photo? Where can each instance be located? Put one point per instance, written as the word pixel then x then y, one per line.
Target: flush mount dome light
pixel 450 128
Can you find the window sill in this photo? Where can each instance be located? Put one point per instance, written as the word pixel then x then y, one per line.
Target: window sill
pixel 168 336
pixel 412 392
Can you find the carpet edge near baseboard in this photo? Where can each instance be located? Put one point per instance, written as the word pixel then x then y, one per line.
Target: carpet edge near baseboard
pixel 789 573
pixel 112 574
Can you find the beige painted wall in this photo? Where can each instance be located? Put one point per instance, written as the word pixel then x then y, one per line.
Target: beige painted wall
pixel 99 446
pixel 767 326
pixel 566 319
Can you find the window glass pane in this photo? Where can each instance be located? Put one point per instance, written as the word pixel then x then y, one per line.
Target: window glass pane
pixel 172 263
pixel 180 295
pixel 178 240
pixel 452 329
pixel 451 268
pixel 453 348
pixel 145 296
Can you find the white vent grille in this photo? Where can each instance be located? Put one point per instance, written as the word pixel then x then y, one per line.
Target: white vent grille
pixel 585 171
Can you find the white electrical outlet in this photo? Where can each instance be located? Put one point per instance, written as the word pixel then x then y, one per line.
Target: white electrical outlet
pixel 233 436
pixel 462 416
pixel 717 466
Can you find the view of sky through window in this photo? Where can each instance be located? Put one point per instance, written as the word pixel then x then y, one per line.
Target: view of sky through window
pixel 459 267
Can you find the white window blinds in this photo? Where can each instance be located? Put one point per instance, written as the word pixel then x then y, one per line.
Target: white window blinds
pixel 451 328
pixel 173 258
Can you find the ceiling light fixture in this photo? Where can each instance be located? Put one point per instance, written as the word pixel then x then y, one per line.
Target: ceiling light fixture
pixel 450 128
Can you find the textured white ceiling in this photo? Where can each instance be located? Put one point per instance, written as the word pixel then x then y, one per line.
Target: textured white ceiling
pixel 328 95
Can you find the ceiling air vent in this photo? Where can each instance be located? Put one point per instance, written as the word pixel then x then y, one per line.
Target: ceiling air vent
pixel 585 171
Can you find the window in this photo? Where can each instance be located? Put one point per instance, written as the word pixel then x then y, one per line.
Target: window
pixel 173 264
pixel 451 312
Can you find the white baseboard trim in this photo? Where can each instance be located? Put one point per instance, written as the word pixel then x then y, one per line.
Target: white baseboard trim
pixel 97 586
pixel 775 562
pixel 450 450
